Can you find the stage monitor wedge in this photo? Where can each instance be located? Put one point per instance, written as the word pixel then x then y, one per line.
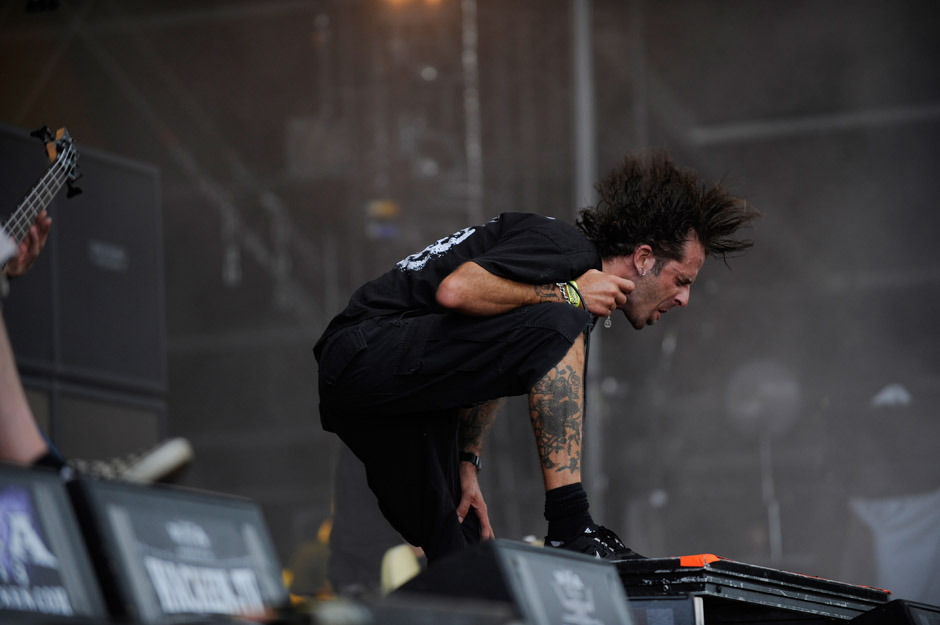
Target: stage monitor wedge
pixel 171 555
pixel 546 586
pixel 46 575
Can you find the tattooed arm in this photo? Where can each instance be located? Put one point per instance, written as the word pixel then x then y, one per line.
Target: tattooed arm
pixel 474 426
pixel 472 290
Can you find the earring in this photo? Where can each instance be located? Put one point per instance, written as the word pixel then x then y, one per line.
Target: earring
pixel 608 322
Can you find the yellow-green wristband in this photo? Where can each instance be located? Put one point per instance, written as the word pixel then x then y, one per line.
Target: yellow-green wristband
pixel 569 293
pixel 574 294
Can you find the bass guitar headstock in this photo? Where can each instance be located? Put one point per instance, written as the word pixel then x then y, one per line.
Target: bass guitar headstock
pixel 61 150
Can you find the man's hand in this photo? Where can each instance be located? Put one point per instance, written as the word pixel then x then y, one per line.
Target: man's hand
pixel 29 248
pixel 603 293
pixel 472 497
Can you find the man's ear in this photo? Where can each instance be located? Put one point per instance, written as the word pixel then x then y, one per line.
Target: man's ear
pixel 643 258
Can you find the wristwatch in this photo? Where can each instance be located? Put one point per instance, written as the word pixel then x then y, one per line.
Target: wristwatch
pixel 472 458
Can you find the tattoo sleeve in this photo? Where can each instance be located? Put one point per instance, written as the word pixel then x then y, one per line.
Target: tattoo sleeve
pixel 555 406
pixel 475 424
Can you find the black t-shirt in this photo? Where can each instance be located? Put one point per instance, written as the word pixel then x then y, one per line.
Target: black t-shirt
pixel 523 247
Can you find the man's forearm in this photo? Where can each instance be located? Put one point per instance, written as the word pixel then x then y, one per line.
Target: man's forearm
pixel 472 290
pixel 475 423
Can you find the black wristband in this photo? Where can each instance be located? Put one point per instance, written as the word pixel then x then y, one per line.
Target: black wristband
pixel 472 458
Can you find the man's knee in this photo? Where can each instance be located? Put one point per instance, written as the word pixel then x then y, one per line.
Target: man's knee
pixel 565 319
pixel 552 331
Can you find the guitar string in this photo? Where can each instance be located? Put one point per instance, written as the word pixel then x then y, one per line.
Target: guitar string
pixel 42 190
pixel 39 196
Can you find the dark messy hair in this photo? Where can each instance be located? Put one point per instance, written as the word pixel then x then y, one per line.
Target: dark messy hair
pixel 648 199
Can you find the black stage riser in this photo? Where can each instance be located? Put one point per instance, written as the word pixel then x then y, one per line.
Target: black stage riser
pixel 900 612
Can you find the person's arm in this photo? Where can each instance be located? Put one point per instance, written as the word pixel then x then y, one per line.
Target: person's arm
pixel 472 290
pixel 473 428
pixel 20 440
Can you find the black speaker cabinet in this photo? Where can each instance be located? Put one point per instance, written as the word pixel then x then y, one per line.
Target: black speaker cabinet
pixel 545 586
pixel 89 422
pixel 900 612
pixel 91 310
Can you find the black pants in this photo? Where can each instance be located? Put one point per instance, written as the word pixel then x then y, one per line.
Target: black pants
pixel 392 390
pixel 360 535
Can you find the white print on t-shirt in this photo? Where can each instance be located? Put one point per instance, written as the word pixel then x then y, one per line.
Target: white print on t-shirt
pixel 416 262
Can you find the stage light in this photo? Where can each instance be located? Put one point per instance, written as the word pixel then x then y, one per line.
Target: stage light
pixel 892 395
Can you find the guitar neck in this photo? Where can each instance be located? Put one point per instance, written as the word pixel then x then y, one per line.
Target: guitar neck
pixel 38 198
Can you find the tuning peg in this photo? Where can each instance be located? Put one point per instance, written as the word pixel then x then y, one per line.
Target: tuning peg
pixel 43 134
pixel 72 190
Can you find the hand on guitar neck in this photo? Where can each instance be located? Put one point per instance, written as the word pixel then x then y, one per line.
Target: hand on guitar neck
pixel 29 248
pixel 29 224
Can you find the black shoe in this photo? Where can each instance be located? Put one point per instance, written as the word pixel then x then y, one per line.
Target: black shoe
pixel 600 542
